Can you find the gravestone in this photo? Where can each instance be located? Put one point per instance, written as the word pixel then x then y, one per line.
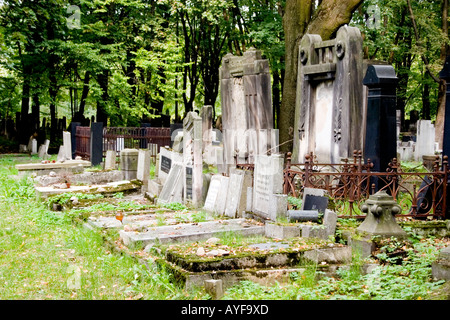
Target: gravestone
pixel 213 193
pixel 221 200
pixel 73 138
pixel 314 199
pixel 246 100
pixel 61 157
pixel 206 114
pixel 128 163
pixel 34 148
pixel 329 117
pixel 110 160
pixel 445 75
pixel 381 146
pixel 425 139
pixel 234 194
pixel 172 190
pixel 67 143
pixel 43 149
pixel 96 143
pixel 192 158
pixel 268 200
pixel 166 159
pixel 143 166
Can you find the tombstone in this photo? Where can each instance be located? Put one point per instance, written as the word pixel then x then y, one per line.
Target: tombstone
pixel 192 158
pixel 143 166
pixel 381 145
pixel 246 100
pixel 268 200
pixel 34 149
pixel 398 118
pixel 213 193
pixel 172 190
pixel 96 143
pixel 206 114
pixel 329 117
pixel 43 149
pixel 61 157
pixel 221 200
pixel 110 160
pixel 234 194
pixel 177 145
pixel 314 199
pixel 128 163
pixel 166 159
pixel 425 139
pixel 67 143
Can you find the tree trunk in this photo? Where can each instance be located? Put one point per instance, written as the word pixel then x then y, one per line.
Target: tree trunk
pixel 299 19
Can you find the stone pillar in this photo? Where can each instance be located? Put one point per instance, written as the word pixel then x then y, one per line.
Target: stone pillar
pixel 96 143
pixel 380 143
pixel 206 115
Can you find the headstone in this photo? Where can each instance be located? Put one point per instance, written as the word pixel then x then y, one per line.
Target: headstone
pixel 381 145
pixel 178 142
pixel 213 193
pixel 128 163
pixel 143 166
pixel 268 186
pixel 246 101
pixel 34 149
pixel 425 139
pixel 41 153
pixel 192 157
pixel 221 200
pixel 303 215
pixel 173 187
pixel 206 114
pixel 110 160
pixel 96 143
pixel 329 119
pixel 67 143
pixel 234 194
pixel 166 159
pixel 314 199
pixel 61 154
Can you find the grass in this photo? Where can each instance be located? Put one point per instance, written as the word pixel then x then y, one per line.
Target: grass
pixel 45 255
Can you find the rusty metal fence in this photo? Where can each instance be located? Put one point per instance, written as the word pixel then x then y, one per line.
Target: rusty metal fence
pixel 119 138
pixel 421 195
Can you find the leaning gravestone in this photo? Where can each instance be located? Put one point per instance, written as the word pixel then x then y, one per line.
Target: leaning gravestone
pixel 143 166
pixel 110 160
pixel 166 159
pixel 329 119
pixel 213 193
pixel 173 187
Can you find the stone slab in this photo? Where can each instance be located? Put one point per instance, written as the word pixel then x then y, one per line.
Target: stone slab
pixel 277 231
pixel 191 232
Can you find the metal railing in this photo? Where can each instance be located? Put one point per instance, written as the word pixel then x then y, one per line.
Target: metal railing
pixel 119 138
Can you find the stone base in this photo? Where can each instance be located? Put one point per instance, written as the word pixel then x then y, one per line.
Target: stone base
pixel 441 268
pixel 273 230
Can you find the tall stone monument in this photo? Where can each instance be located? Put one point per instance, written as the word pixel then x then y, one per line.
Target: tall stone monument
pixel 329 113
pixel 247 117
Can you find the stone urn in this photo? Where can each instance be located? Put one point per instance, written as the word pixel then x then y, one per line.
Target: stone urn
pixel 381 209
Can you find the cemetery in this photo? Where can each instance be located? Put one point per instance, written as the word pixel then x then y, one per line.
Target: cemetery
pixel 217 208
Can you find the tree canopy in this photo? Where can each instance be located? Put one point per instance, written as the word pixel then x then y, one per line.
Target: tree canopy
pixel 125 62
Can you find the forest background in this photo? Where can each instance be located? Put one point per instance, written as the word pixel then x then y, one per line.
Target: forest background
pixel 127 62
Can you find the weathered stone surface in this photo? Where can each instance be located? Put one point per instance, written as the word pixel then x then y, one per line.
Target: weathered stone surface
pixel 329 119
pixel 129 162
pixel 172 190
pixel 234 193
pixel 380 219
pixel 110 160
pixel 274 230
pixel 441 267
pixel 191 232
